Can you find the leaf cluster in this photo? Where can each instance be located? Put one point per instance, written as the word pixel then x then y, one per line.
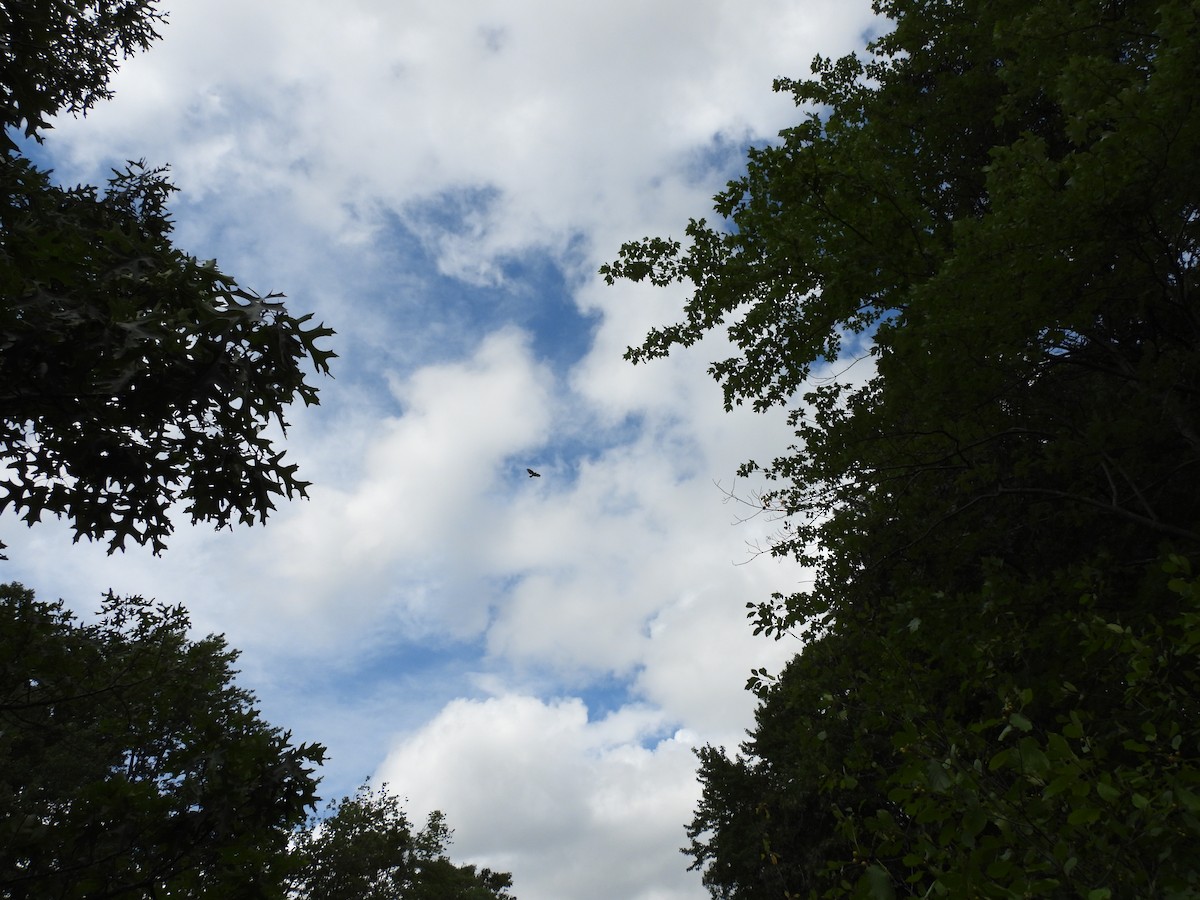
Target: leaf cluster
pixel 365 848
pixel 1007 249
pixel 970 276
pixel 131 764
pixel 58 56
pixel 134 376
pixel 985 752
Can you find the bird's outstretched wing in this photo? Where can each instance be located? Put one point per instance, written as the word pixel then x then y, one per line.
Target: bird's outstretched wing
pixel 533 474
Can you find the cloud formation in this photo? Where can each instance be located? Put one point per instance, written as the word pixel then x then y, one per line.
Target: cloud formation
pixel 527 772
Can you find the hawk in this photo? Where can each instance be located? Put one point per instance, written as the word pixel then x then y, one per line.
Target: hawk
pixel 533 474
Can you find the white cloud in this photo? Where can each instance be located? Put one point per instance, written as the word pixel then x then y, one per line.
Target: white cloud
pixel 423 469
pixel 604 811
pixel 577 116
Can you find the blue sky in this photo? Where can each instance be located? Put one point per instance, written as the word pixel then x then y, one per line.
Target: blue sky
pixel 440 182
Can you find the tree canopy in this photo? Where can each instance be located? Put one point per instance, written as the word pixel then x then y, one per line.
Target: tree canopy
pixel 970 275
pixel 133 376
pixel 131 764
pixel 58 57
pixel 366 849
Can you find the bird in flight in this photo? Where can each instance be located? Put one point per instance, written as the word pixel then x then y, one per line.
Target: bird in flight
pixel 533 474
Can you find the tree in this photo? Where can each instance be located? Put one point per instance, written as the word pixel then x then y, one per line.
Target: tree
pixel 366 849
pixel 135 376
pixel 970 272
pixel 988 753
pixel 131 765
pixel 58 56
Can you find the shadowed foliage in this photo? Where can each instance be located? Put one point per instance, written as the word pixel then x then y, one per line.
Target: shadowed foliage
pixel 131 765
pixel 970 274
pixel 133 377
pixel 366 849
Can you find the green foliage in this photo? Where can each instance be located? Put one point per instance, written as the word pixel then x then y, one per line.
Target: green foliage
pixel 132 376
pixel 130 763
pixel 1030 784
pixel 366 849
pixel 990 751
pixel 57 56
pixel 970 273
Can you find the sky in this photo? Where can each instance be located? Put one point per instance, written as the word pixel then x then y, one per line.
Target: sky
pixel 439 182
